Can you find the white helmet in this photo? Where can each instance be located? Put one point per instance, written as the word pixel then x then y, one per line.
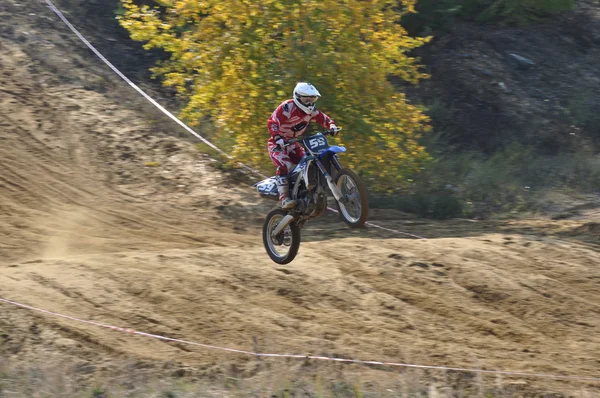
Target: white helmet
pixel 305 96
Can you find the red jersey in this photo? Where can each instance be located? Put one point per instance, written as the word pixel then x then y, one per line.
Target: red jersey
pixel 289 121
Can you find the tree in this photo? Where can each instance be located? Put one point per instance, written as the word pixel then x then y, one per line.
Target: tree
pixel 236 60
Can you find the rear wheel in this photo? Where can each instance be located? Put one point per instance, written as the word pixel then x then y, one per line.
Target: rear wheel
pixel 354 205
pixel 283 247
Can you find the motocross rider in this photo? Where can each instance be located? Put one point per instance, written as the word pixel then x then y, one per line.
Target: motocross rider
pixel 290 120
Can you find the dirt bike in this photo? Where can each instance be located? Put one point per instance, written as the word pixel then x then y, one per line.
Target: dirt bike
pixel 318 171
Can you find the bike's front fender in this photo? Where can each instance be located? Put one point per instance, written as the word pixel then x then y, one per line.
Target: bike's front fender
pixel 329 156
pixel 333 149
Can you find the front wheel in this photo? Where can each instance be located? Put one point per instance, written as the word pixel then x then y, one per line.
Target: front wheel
pixel 281 248
pixel 354 205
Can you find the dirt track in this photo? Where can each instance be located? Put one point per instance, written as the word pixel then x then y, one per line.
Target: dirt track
pixel 87 230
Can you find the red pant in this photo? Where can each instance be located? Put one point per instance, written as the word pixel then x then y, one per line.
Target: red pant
pixel 286 158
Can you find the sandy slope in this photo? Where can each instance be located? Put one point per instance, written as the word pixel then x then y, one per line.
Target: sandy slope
pixel 87 230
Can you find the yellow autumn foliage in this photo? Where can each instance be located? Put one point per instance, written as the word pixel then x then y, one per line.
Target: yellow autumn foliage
pixel 234 61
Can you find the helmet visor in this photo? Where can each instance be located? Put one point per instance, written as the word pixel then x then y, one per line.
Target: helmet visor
pixel 308 100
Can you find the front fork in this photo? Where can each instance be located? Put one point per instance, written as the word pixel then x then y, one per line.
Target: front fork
pixel 337 193
pixel 282 224
pixel 336 162
pixel 334 189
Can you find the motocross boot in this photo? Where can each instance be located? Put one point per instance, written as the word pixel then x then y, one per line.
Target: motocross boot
pixel 284 193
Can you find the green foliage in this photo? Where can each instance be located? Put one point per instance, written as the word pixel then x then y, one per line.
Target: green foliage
pixel 522 11
pixel 99 392
pixel 511 180
pixel 235 61
pixel 440 15
pixel 438 204
pixel 583 109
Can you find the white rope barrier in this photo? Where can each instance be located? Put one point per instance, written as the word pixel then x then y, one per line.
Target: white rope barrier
pixel 301 356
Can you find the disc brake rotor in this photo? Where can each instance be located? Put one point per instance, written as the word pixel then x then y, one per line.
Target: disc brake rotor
pixel 287 237
pixel 277 240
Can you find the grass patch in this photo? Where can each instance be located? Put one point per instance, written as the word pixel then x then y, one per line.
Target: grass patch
pixel 513 180
pixel 280 381
pixel 99 392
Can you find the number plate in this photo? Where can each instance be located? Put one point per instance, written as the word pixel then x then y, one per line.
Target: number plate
pixel 316 144
pixel 267 187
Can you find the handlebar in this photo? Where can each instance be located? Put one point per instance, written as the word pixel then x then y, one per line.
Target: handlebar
pixel 298 139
